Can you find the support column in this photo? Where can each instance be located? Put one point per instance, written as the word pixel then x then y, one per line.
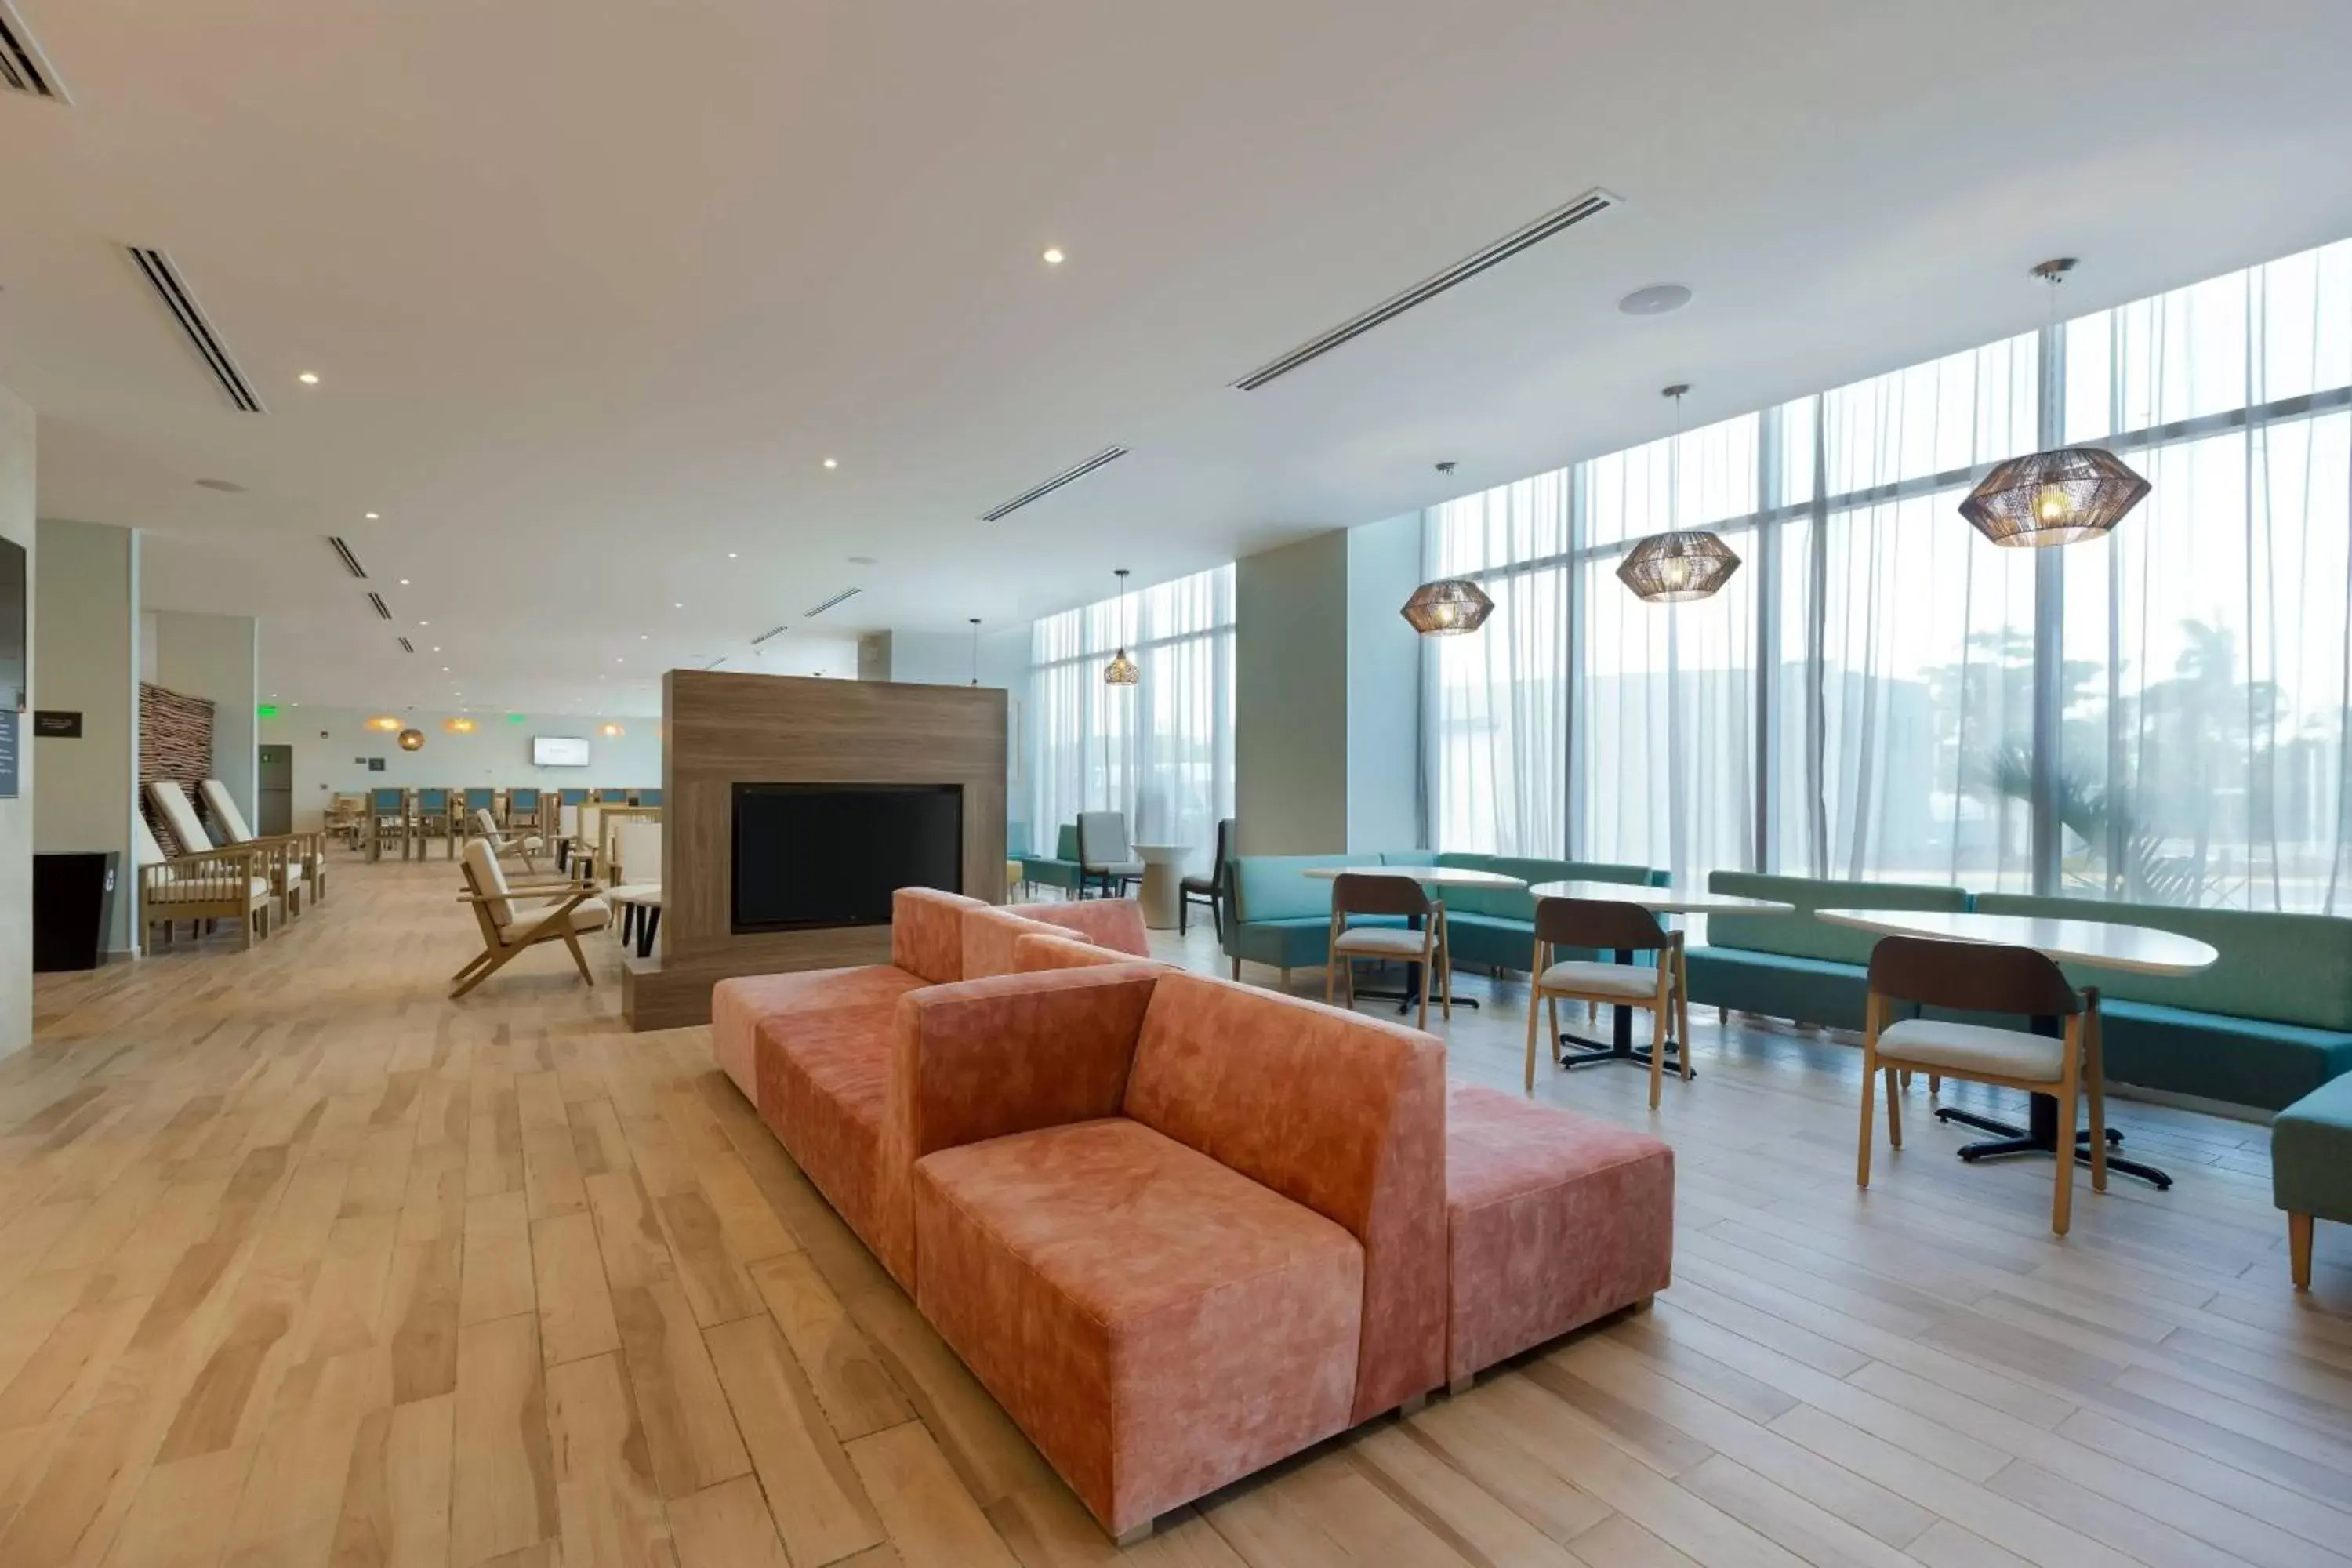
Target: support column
pixel 85 661
pixel 217 657
pixel 16 812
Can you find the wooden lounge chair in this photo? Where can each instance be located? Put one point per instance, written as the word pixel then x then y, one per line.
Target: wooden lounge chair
pixel 486 828
pixel 208 885
pixel 307 852
pixel 572 910
pixel 274 858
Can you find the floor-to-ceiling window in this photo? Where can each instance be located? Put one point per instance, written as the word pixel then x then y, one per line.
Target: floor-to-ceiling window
pixel 1880 693
pixel 1161 751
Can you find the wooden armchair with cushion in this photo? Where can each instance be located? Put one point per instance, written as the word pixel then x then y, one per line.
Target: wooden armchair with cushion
pixel 274 858
pixel 570 910
pixel 306 852
pixel 208 885
pixel 523 847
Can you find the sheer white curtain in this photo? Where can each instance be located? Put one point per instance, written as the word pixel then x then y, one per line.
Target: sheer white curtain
pixel 1495 705
pixel 2207 641
pixel 1161 751
pixel 1914 747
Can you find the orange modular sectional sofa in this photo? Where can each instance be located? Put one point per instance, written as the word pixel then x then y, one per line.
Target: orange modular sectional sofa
pixel 1179 1227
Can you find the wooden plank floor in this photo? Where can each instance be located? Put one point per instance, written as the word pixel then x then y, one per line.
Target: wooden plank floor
pixel 302 1264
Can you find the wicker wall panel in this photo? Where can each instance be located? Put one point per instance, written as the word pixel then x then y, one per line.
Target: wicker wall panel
pixel 175 742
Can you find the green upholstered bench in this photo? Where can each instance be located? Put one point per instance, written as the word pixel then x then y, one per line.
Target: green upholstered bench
pixel 2311 1167
pixel 1283 917
pixel 1059 870
pixel 2269 1022
pixel 1792 965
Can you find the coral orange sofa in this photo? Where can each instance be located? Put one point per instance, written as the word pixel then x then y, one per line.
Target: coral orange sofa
pixel 812 1049
pixel 1217 1237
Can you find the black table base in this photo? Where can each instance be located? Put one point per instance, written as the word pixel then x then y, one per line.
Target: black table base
pixel 2041 1137
pixel 1574 1050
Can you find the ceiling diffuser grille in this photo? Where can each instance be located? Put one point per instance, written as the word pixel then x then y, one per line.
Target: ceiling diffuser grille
pixel 1589 205
pixel 814 611
pixel 22 67
pixel 407 646
pixel 382 610
pixel 164 279
pixel 771 632
pixel 343 553
pixel 1039 493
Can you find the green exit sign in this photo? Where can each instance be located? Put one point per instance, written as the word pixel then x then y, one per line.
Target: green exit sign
pixel 514 719
pixel 267 710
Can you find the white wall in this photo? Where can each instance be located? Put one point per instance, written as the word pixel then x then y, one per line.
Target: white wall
pixel 214 657
pixel 945 658
pixel 1290 698
pixel 86 659
pixel 326 741
pixel 1383 686
pixel 16 824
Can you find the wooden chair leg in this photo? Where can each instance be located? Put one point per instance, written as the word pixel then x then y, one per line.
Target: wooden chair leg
pixel 579 958
pixel 2094 1089
pixel 1894 1113
pixel 1682 1009
pixel 1445 969
pixel 1869 1103
pixel 2061 1201
pixel 1657 1043
pixel 495 962
pixel 1428 979
pixel 1934 1083
pixel 1331 979
pixel 471 964
pixel 2298 1249
pixel 1533 1014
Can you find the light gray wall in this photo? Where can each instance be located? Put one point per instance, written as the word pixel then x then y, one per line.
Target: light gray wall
pixel 86 658
pixel 326 741
pixel 212 656
pixel 1290 698
pixel 16 816
pixel 1383 686
pixel 945 658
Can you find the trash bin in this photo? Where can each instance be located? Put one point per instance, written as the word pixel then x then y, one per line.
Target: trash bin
pixel 72 895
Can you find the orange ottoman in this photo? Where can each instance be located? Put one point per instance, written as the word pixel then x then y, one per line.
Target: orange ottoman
pixel 1552 1221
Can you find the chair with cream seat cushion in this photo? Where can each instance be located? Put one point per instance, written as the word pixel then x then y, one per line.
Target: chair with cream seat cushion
pixel 486 831
pixel 209 885
pixel 1611 925
pixel 570 910
pixel 1978 977
pixel 306 871
pixel 273 859
pixel 1423 940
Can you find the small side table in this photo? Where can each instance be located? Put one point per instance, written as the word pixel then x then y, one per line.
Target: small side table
pixel 1163 875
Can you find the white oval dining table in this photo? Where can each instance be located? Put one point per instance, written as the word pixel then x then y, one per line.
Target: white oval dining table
pixel 2089 944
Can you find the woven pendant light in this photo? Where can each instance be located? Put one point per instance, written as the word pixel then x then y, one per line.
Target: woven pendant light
pixel 1121 670
pixel 1682 563
pixel 1449 607
pixel 2060 496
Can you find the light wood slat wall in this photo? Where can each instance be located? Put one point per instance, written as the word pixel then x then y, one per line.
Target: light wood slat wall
pixel 175 742
pixel 722 730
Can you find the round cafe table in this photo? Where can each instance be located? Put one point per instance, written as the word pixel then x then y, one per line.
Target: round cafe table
pixel 1574 1050
pixel 2088 944
pixel 1428 877
pixel 1163 871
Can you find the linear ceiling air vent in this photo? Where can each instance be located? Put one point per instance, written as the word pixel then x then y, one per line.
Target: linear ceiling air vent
pixel 343 553
pixel 382 610
pixel 1589 205
pixel 715 663
pixel 407 646
pixel 161 277
pixel 22 68
pixel 814 611
pixel 771 632
pixel 1107 455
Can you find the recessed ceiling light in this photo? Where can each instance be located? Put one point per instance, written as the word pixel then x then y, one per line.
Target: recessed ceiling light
pixel 679 606
pixel 730 555
pixel 1052 256
pixel 641 637
pixel 308 378
pixel 1655 301
pixel 832 463
pixel 444 670
pixel 371 516
pixel 436 648
pixel 403 582
pixel 425 623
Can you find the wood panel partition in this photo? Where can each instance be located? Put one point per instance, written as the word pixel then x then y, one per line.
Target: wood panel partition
pixel 720 730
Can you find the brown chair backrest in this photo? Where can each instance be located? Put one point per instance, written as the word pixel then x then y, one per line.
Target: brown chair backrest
pixel 1610 924
pixel 1372 894
pixel 1970 976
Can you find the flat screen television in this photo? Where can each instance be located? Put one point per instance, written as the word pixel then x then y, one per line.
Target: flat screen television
pixel 808 856
pixel 558 751
pixel 12 625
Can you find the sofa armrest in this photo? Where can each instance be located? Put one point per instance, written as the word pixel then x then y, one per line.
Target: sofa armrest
pixel 982 1059
pixel 1034 950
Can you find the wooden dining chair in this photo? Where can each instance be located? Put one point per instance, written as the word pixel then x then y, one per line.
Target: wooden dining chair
pixel 1375 895
pixel 1609 925
pixel 1978 977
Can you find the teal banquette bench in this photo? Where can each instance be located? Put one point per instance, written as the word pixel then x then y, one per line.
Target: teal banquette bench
pixel 2311 1168
pixel 2269 1023
pixel 1282 916
pixel 1793 965
pixel 1059 870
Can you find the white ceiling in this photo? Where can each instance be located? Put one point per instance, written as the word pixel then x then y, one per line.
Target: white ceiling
pixel 593 290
